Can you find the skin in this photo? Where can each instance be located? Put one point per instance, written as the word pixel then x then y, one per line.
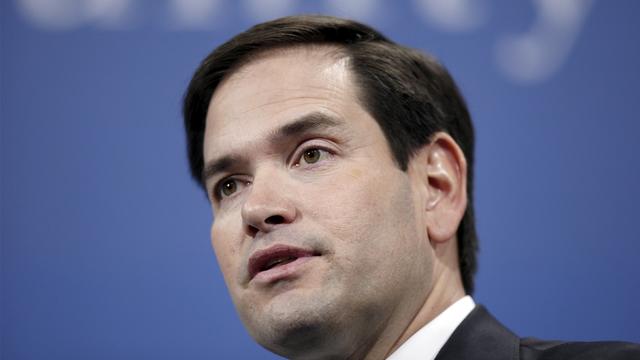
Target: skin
pixel 386 237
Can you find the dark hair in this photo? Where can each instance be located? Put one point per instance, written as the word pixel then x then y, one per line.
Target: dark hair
pixel 409 94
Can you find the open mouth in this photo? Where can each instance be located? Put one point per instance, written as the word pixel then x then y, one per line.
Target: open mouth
pixel 277 262
pixel 276 256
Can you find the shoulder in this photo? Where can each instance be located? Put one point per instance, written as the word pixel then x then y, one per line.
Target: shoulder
pixel 481 337
pixel 556 350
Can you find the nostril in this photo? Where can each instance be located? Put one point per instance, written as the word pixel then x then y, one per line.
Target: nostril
pixel 252 230
pixel 274 220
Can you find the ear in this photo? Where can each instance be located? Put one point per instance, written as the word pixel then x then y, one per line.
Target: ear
pixel 442 169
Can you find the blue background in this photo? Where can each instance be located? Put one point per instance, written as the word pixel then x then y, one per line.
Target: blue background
pixel 105 240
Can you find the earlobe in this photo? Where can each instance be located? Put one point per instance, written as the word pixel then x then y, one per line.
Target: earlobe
pixel 446 183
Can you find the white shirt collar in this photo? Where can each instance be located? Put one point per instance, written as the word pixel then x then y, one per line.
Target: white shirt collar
pixel 427 342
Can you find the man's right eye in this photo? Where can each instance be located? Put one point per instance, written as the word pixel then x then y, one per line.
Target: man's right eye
pixel 228 187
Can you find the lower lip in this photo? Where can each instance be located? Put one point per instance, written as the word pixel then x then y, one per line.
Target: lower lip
pixel 282 271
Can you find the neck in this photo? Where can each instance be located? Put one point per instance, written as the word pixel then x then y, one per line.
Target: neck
pixel 442 296
pixel 447 289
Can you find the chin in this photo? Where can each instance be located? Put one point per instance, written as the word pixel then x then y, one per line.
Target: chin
pixel 293 325
pixel 303 339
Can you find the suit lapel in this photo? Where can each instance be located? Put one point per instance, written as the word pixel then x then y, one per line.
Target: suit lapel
pixel 481 337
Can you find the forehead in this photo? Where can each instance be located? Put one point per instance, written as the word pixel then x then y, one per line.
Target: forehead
pixel 274 88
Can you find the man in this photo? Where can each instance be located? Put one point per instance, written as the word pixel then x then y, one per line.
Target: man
pixel 339 168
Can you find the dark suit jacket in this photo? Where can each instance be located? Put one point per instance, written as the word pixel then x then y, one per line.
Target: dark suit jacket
pixel 481 337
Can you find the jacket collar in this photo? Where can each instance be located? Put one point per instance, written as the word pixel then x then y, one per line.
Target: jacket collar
pixel 481 337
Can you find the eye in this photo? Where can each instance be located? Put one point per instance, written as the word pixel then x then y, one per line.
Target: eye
pixel 311 156
pixel 227 188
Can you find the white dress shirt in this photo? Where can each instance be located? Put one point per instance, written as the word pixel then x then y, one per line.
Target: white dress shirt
pixel 427 342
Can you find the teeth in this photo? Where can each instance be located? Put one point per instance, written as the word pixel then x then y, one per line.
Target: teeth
pixel 278 261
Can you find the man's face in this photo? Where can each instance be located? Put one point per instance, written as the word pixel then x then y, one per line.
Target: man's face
pixel 319 235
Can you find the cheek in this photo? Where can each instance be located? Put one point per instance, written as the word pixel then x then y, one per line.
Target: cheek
pixel 373 228
pixel 342 208
pixel 225 249
pixel 367 213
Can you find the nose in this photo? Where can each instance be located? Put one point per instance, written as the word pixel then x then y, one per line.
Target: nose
pixel 267 206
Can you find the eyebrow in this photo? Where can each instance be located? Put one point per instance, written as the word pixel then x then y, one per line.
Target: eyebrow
pixel 315 121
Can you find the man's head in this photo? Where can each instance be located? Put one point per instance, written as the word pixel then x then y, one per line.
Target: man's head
pixel 338 165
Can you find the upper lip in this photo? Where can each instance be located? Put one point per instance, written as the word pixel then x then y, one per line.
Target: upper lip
pixel 261 258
